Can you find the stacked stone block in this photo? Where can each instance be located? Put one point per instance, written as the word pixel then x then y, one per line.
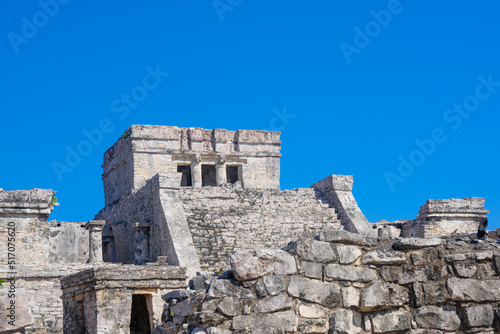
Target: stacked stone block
pixel 341 282
pixel 223 220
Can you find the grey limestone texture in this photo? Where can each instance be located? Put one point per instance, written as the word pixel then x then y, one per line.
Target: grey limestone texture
pixel 354 297
pixel 146 150
pixel 35 254
pixel 100 300
pixel 186 201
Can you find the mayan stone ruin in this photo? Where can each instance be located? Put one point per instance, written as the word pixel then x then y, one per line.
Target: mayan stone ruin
pixel 196 236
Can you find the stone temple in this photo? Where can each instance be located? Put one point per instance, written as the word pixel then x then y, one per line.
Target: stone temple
pixel 197 237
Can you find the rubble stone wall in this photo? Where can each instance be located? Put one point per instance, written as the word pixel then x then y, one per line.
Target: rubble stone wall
pixel 105 294
pixel 340 282
pixel 445 217
pixel 213 221
pixel 42 251
pixel 223 220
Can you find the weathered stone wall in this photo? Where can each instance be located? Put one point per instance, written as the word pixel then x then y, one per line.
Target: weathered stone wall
pixel 223 220
pixel 337 190
pixel 438 218
pixel 213 221
pixel 345 283
pixel 40 252
pixel 38 292
pixel 145 150
pixel 99 300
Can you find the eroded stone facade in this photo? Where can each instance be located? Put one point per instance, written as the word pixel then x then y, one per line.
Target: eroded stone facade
pixel 341 282
pixel 182 203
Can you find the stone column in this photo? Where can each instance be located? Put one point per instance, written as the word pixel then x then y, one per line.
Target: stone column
pixel 95 240
pixel 196 173
pixel 220 171
pixel 141 250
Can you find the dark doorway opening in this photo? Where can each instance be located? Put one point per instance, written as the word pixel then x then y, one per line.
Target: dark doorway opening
pixel 140 318
pixel 108 249
pixel 208 177
pixel 80 318
pixel 186 175
pixel 232 174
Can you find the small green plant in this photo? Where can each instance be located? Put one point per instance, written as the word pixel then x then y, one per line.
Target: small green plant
pixel 220 272
pixel 172 315
pixel 54 200
pixel 330 218
pixel 125 135
pixel 214 151
pixel 1 281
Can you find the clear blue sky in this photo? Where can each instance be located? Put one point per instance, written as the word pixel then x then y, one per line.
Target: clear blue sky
pixel 364 81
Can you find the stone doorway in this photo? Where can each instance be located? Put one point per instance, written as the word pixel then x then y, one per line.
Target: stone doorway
pixel 208 177
pixel 140 318
pixel 232 174
pixel 186 175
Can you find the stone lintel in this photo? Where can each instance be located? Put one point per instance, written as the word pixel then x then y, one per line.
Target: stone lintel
pixel 94 223
pixel 141 225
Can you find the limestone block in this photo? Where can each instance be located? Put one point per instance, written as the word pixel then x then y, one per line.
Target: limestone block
pixel 416 243
pixel 324 293
pixel 391 321
pixel 274 284
pixel 311 269
pixel 316 251
pixel 285 320
pixel 341 236
pixel 247 265
pixel 22 316
pixel 381 295
pixel 434 292
pixel 311 311
pixel 350 273
pixel 215 330
pixel 272 304
pixel 313 326
pixel 229 306
pixel 473 290
pixel 260 288
pixel 350 297
pixel 478 316
pixel 424 256
pixel 465 268
pixel 348 254
pixel 390 273
pixel 188 306
pixel 434 317
pixel 384 256
pixel 345 322
pixel 222 287
pixel 412 276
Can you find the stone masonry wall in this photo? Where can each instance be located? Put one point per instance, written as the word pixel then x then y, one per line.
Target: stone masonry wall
pixel 146 150
pixel 446 217
pixel 219 221
pixel 105 292
pixel 223 220
pixel 345 283
pixel 36 254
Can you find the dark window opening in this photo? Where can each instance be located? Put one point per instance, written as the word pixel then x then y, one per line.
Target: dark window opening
pixel 140 318
pixel 232 174
pixel 109 249
pixel 186 175
pixel 208 175
pixel 80 318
